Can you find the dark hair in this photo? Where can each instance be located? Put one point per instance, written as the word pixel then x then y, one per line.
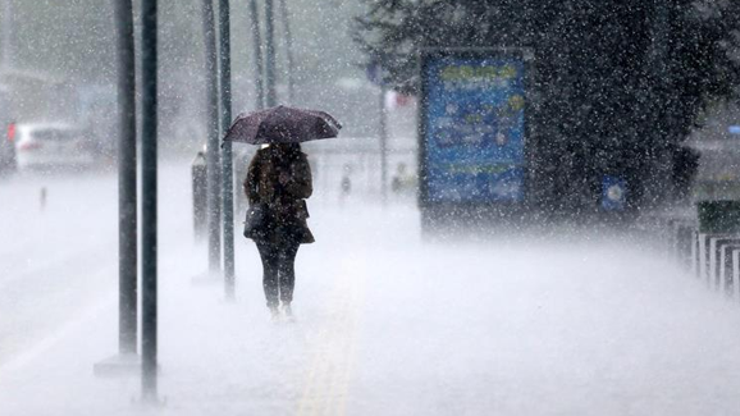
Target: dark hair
pixel 288 148
pixel 286 151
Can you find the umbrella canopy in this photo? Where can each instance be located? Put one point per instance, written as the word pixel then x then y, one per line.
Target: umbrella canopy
pixel 282 125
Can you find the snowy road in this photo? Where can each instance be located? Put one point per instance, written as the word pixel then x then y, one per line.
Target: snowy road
pixel 386 324
pixel 54 258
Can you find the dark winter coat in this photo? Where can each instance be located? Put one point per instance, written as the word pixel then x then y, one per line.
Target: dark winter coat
pixel 286 203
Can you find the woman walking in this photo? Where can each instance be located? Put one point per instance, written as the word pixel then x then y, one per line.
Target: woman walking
pixel 278 183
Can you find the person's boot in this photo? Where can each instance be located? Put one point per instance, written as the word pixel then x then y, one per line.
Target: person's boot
pixel 274 313
pixel 288 312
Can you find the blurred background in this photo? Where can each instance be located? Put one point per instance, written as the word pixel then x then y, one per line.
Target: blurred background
pixel 60 65
pixel 634 89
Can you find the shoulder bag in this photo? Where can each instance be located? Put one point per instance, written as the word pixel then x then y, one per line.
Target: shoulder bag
pixel 255 220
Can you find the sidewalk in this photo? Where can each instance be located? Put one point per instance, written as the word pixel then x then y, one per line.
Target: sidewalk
pixel 216 357
pixel 388 325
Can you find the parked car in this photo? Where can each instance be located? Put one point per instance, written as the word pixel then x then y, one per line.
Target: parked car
pixel 51 145
pixel 7 151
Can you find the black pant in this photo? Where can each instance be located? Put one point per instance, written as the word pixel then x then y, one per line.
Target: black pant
pixel 278 265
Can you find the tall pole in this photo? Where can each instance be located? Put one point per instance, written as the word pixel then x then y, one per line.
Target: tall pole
pixel 270 51
pixel 288 49
pixel 228 163
pixel 7 32
pixel 662 85
pixel 127 200
pixel 383 133
pixel 259 63
pixel 383 128
pixel 149 194
pixel 213 158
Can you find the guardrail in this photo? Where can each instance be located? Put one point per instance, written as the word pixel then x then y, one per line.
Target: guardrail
pixel 711 257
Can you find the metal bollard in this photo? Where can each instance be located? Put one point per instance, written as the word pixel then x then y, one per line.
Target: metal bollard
pixel 199 172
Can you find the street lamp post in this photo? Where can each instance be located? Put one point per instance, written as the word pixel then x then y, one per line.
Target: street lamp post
pixel 383 133
pixel 270 52
pixel 227 159
pixel 213 150
pixel 149 194
pixel 378 72
pixel 7 31
pixel 127 199
pixel 288 50
pixel 127 361
pixel 258 61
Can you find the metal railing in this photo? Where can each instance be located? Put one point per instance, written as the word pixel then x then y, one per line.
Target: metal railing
pixel 711 257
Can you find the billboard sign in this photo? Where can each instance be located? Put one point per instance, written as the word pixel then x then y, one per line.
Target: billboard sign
pixel 472 126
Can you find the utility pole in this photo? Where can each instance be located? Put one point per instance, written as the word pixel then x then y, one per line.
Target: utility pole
pixel 127 199
pixel 227 159
pixel 149 194
pixel 213 158
pixel 259 63
pixel 270 51
pixel 288 50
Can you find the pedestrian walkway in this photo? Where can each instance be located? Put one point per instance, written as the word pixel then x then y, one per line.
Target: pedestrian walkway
pixel 389 325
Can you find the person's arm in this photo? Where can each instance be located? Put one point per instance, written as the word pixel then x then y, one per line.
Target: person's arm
pixel 301 185
pixel 251 182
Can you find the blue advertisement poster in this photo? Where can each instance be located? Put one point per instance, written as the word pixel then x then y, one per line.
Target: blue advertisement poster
pixel 474 131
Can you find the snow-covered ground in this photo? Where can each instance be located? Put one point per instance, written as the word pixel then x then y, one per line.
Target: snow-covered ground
pixel 387 324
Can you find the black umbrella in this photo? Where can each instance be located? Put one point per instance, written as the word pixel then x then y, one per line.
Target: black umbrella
pixel 282 125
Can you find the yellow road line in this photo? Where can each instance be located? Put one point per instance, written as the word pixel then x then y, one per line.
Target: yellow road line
pixel 328 381
pixel 352 355
pixel 339 386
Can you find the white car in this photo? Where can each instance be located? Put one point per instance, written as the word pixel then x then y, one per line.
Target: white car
pixel 51 145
